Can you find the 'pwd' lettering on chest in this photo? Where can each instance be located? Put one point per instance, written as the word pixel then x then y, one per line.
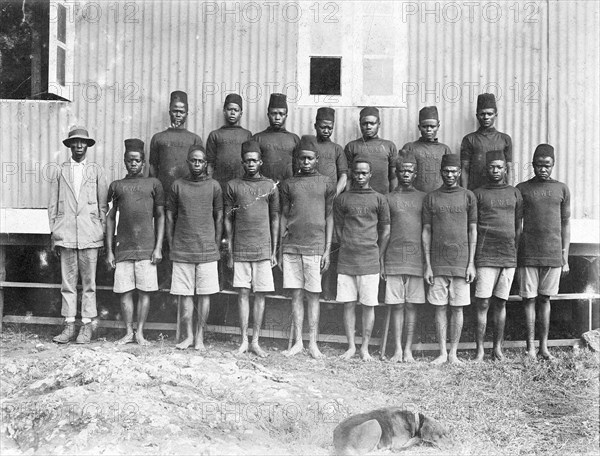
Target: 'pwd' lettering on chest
pixel 499 203
pixel 452 209
pixel 360 210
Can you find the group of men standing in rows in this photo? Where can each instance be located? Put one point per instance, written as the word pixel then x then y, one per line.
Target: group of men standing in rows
pixel 427 221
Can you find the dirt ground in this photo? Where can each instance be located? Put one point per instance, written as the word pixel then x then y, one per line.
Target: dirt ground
pixel 108 399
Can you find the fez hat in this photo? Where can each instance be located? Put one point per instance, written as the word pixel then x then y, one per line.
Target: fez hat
pixel 486 101
pixel 79 133
pixel 407 158
pixel 178 95
pixel 250 146
pixel 134 145
pixel 277 101
pixel 428 112
pixel 494 155
pixel 233 98
pixel 369 111
pixel 450 160
pixel 195 147
pixel 307 142
pixel 326 114
pixel 544 150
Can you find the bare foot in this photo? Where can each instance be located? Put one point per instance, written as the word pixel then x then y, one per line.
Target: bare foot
pixel 199 345
pixel 365 356
pixel 408 357
pixel 498 355
pixel 243 348
pixel 126 339
pixel 139 338
pixel 185 343
pixel 531 354
pixel 453 359
pixel 348 353
pixel 296 348
pixel 397 358
pixel 314 351
pixel 257 350
pixel 545 354
pixel 479 356
pixel 440 360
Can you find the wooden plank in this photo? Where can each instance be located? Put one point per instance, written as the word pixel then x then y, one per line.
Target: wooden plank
pixel 563 297
pixel 49 286
pixel 2 277
pixel 278 334
pixel 25 239
pixel 512 298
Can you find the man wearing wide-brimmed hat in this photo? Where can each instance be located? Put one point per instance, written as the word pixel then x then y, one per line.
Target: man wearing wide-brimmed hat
pixel 77 213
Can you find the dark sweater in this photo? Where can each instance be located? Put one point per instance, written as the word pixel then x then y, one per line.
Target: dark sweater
pixel 360 215
pixel 545 205
pixel 449 212
pixel 499 209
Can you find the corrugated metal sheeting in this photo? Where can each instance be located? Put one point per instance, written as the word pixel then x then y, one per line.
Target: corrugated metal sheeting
pixel 31 135
pixel 536 56
pixel 573 96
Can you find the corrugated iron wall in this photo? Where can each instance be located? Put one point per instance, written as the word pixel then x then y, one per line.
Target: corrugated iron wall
pixel 129 58
pixel 573 95
pixel 31 135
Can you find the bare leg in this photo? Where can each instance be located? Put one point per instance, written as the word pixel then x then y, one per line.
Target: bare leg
pixel 142 315
pixel 368 318
pixel 259 310
pixel 177 301
pixel 499 323
pixel 411 321
pixel 349 327
pixel 314 308
pixel 203 309
pixel 544 326
pixel 456 324
pixel 298 317
pixel 244 311
pixel 483 304
pixel 397 326
pixel 127 312
pixel 529 307
pixel 441 326
pixel 186 304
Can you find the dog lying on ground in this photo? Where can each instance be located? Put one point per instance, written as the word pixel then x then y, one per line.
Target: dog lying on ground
pixel 387 428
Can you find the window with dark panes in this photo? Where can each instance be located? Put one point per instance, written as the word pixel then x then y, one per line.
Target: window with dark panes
pixel 34 50
pixel 325 75
pixel 356 56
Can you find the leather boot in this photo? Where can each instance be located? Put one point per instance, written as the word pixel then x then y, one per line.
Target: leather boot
pixel 85 334
pixel 67 334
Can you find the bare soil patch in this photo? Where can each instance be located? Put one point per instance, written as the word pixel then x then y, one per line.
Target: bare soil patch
pixel 108 399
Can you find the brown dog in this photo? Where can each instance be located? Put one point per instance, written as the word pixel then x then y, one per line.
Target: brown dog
pixel 387 428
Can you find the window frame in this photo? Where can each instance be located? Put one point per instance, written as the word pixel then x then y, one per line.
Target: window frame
pixel 57 87
pixel 351 19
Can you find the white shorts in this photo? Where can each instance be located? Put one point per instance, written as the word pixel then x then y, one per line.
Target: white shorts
pixel 195 278
pixel 302 271
pixel 360 288
pixel 257 275
pixel 132 274
pixel 401 288
pixel 449 290
pixel 534 281
pixel 494 281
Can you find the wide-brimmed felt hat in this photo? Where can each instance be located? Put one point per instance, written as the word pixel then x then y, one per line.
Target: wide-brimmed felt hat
pixel 79 133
